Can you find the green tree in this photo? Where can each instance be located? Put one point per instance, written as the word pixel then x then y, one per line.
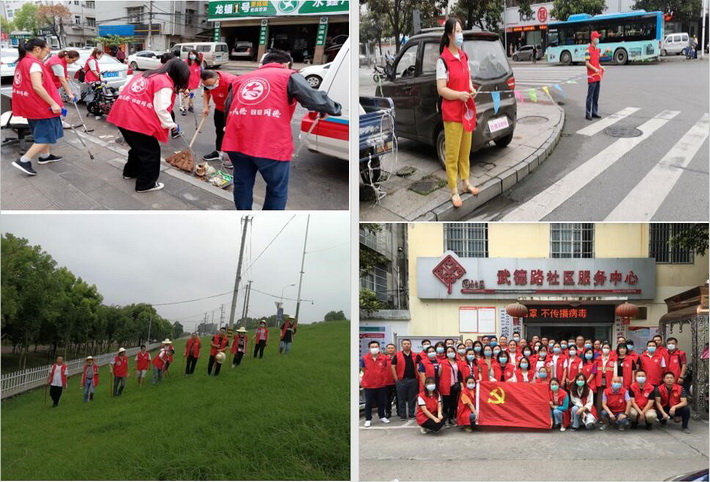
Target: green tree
pixel 562 9
pixel 26 18
pixel 694 237
pixel 484 14
pixel 682 10
pixel 369 302
pixel 178 330
pixel 6 26
pixel 398 14
pixel 54 16
pixel 334 316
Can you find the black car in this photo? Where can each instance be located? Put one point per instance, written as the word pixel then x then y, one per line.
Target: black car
pixel 412 86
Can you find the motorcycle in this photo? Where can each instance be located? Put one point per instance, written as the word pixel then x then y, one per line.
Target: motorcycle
pixel 379 74
pixel 103 99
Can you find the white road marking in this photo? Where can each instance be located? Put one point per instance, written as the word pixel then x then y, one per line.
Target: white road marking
pixel 612 119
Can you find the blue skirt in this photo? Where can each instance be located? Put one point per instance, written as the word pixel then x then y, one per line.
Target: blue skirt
pixel 46 131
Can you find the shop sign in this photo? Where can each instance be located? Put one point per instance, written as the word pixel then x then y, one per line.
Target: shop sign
pixel 217 32
pixel 540 15
pixel 451 277
pixel 557 313
pixel 322 31
pixel 262 32
pixel 222 10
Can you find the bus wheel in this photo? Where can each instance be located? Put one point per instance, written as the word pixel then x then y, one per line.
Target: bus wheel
pixel 566 58
pixel 621 57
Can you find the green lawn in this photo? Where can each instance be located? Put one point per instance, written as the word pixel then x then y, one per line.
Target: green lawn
pixel 276 418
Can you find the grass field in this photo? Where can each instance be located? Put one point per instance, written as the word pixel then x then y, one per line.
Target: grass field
pixel 276 418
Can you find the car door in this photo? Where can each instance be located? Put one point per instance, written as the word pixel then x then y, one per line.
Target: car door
pixel 400 90
pixel 426 114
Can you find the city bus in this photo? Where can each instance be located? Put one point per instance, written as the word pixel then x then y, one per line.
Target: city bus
pixel 633 36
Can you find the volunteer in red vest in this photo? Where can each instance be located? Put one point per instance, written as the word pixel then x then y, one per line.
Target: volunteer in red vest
pixel 594 77
pixel 376 373
pixel 404 372
pixel 676 360
pixel 661 347
pixel 429 408
pixel 449 385
pixel 643 401
pixel 160 363
pixel 119 370
pixel 458 108
pixel 261 338
pixel 466 413
pixel 142 365
pixel 523 374
pixel 216 87
pixel 574 364
pixel 605 372
pixel 653 364
pixel 485 365
pixel 288 332
pixel 631 352
pixel 219 343
pixel 239 346
pixel 582 401
pixel 624 365
pixel 92 73
pixel 542 375
pixel 391 388
pixel 258 133
pixel 194 61
pixel 142 114
pixel 429 367
pixel 513 351
pixel 89 378
pixel 468 367
pixel 504 369
pixel 558 364
pixel 460 352
pixel 35 98
pixel 616 404
pixel 57 380
pixel 422 354
pixel 672 402
pixel 57 65
pixel 192 353
pixel 559 404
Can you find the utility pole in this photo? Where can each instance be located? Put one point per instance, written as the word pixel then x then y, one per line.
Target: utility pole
pixel 245 307
pixel 150 322
pixel 150 26
pixel 245 222
pixel 505 28
pixel 702 41
pixel 303 260
pixel 221 315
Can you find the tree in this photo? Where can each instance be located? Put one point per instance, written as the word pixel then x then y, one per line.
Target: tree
pixel 681 10
pixel 112 41
pixel 562 9
pixel 373 29
pixel 6 26
pixel 369 302
pixel 334 316
pixel 695 237
pixel 399 14
pixel 484 14
pixel 54 16
pixel 26 18
pixel 178 330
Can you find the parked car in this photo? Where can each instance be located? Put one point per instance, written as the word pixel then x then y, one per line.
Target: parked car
pixel 674 43
pixel 411 84
pixel 243 51
pixel 8 62
pixel 525 53
pixel 315 74
pixel 144 60
pixel 213 54
pixel 112 71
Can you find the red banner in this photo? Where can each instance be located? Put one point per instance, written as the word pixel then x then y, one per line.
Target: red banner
pixel 508 404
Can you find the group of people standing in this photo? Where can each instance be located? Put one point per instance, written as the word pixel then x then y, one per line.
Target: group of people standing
pixel 119 366
pixel 588 381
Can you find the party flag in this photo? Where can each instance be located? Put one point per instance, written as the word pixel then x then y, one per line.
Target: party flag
pixel 519 96
pixel 547 90
pixel 557 86
pixel 496 101
pixel 532 94
pixel 520 405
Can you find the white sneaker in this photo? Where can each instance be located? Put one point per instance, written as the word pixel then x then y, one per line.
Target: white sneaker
pixel 562 429
pixel 423 430
pixel 368 423
pixel 385 420
pixel 158 186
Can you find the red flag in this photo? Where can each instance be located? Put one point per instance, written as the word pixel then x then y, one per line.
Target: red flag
pixel 509 404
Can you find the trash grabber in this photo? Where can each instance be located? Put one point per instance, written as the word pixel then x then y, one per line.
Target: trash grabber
pixel 194 114
pixel 302 141
pixel 86 129
pixel 91 156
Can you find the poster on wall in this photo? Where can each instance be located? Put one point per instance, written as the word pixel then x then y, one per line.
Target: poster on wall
pixel 477 319
pixel 506 324
pixel 640 335
pixel 381 334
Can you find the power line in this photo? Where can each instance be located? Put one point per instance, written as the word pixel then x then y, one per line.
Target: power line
pixel 191 301
pixel 271 242
pixel 326 249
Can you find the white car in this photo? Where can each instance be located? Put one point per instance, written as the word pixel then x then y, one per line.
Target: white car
pixel 8 61
pixel 144 60
pixel 315 74
pixel 112 71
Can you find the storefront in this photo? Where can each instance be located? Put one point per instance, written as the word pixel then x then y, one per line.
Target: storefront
pixel 521 30
pixel 306 29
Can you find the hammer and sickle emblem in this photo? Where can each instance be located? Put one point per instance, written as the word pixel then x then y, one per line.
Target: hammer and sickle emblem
pixel 498 395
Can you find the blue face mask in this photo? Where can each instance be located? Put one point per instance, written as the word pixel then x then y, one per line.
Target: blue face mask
pixel 458 39
pixel 588 356
pixel 616 386
pixel 503 360
pixel 431 355
pixel 556 350
pixel 487 353
pixel 451 356
pixel 580 383
pixel 477 349
pixel 462 351
pixel 630 347
pixel 440 349
pixel 494 343
pixel 523 365
pixel 587 345
pixel 470 357
pixel 564 346
pixel 573 353
pixel 542 374
pixel 543 354
pixel 554 388
pixel 651 349
pixel 527 353
pixel 516 339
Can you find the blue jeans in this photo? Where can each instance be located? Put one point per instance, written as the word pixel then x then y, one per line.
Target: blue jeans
pixel 472 419
pixel 557 415
pixel 274 173
pixel 88 388
pixel 157 375
pixel 284 346
pixel 621 421
pixel 593 98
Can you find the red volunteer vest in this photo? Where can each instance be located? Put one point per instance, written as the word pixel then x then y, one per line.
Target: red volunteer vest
pixel 447 378
pixel 463 411
pixel 430 370
pixel 95 379
pixel 25 101
pixel 574 366
pixel 239 344
pixel 159 361
pixel 285 327
pixel 142 361
pixel 120 366
pixel 615 401
pixel 219 94
pixel 56 60
pixel 390 379
pixel 63 369
pixel 594 60
pixel 467 369
pixel 375 374
pixel 557 369
pixel 89 75
pixel 133 110
pixel 587 370
pixel 606 370
pixel 401 364
pixel 559 397
pixel 506 372
pixel 192 348
pixel 432 404
pixel 627 371
pixel 485 371
pixel 259 119
pixel 222 342
pixel 673 399
pixel 674 361
pixel 652 366
pixel 641 395
pixel 195 71
pixel 520 378
pixel 459 80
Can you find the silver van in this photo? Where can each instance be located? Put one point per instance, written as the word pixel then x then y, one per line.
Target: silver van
pixel 674 43
pixel 213 54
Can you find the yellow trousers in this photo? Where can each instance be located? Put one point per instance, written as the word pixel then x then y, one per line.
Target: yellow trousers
pixel 458 152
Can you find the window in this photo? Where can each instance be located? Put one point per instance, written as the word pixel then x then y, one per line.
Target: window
pixel 431 55
pixel 190 17
pixel 572 240
pixel 9 14
pixel 90 21
pixel 134 14
pixel 407 65
pixel 468 240
pixel 76 2
pixel 376 281
pixel 202 48
pixel 77 19
pixel 187 48
pixel 486 59
pixel 665 251
pixel 91 4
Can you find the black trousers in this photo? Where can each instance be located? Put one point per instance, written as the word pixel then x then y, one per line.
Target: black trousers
pixel 407 390
pixel 56 394
pixel 377 395
pixel 450 403
pixel 391 394
pixel 259 348
pixel 237 358
pixel 432 425
pixel 219 128
pixel 190 365
pixel 143 159
pixel 211 364
pixel 682 412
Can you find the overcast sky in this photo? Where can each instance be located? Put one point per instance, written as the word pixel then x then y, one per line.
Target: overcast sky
pixel 167 257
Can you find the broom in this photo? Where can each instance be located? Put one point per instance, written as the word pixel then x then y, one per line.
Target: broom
pixel 185 159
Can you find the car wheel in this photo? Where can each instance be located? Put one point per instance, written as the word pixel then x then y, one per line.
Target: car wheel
pixel 621 57
pixel 441 148
pixel 566 58
pixel 664 53
pixel 133 66
pixel 504 141
pixel 314 81
pixel 515 58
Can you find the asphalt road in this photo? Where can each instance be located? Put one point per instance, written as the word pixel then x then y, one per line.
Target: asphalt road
pixel 660 175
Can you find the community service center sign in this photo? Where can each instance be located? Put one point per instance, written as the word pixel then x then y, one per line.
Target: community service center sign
pixel 451 277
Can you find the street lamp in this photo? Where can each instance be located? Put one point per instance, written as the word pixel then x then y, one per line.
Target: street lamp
pixel 282 291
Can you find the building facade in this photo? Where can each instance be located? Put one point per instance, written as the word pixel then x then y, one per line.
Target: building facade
pixel 80 27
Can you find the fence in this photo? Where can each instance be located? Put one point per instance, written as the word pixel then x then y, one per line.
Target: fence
pixel 17 382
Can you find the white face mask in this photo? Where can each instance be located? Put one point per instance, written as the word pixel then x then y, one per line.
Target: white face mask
pixel 471 386
pixel 374 350
pixel 605 351
pixel 671 346
pixel 431 387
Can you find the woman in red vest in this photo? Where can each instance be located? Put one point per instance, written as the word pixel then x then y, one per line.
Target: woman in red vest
pixel 672 402
pixel 261 338
pixel 142 114
pixel 504 370
pixel 57 380
pixel 192 353
pixel 523 374
pixel 559 404
pixel 582 400
pixel 239 346
pixel 449 385
pixel 92 73
pixel 485 366
pixel 624 366
pixel 574 364
pixel 589 369
pixel 194 61
pixel 429 408
pixel 90 378
pixel 429 367
pixel 466 413
pixel 58 67
pixel 605 371
pixel 468 366
pixel 458 109
pixel 35 98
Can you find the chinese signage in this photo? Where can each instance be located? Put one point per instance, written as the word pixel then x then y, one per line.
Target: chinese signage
pixel 322 31
pixel 381 334
pixel 586 313
pixel 451 277
pixel 221 10
pixel 216 32
pixel 540 15
pixel 262 32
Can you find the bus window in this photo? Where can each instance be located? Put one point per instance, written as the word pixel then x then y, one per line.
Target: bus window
pixel 581 34
pixel 553 38
pixel 612 32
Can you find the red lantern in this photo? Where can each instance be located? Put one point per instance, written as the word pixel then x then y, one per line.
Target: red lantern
pixel 517 311
pixel 627 311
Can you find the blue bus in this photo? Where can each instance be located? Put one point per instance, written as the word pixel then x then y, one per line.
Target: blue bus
pixel 633 36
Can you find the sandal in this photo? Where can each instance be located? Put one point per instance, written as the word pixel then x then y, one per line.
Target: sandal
pixel 456 200
pixel 471 189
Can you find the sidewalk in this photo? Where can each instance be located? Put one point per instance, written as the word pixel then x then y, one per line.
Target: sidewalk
pixel 416 190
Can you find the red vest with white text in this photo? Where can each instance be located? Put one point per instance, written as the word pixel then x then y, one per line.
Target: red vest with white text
pixel 642 395
pixel 615 401
pixel 459 80
pixel 63 370
pixel 142 361
pixel 133 110
pixel 56 60
pixel 89 75
pixel 376 374
pixel 673 399
pixel 25 101
pixel 431 403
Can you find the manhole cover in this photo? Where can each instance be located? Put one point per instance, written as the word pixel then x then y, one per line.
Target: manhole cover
pixel 621 131
pixel 532 119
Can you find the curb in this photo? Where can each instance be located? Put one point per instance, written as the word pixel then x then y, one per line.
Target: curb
pixel 499 184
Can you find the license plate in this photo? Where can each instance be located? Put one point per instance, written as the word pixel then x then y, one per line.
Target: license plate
pixel 500 123
pixel 110 74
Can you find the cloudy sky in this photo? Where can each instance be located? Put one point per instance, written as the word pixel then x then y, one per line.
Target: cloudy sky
pixel 163 258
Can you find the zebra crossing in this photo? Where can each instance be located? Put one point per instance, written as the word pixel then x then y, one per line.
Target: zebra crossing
pixel 644 199
pixel 535 77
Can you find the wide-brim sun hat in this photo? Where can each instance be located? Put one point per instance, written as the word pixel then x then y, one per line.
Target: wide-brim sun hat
pixel 167 341
pixel 241 330
pixel 121 350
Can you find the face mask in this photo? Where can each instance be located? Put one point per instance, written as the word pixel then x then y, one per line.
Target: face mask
pixel 494 343
pixel 462 351
pixel 523 365
pixel 495 352
pixel 470 357
pixel 641 379
pixel 543 354
pixel 516 339
pixel 554 388
pixel 588 356
pixel 580 383
pixel 470 386
pixel 451 356
pixel 651 349
pixel 527 353
pixel 477 349
pixel 503 360
pixel 630 347
pixel 671 347
pixel 556 350
pixel 431 355
pixel 458 39
pixel 573 353
pixel 424 347
pixel 374 351
pixel 616 386
pixel 440 349
pixel 211 87
pixel 487 353
pixel 550 345
pixel 587 345
pixel 431 387
pixel 564 346
pixel 543 375
pixel 193 57
pixel 605 351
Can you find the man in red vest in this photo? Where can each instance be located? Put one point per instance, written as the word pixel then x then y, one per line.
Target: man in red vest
pixel 258 127
pixel 160 363
pixel 594 77
pixel 404 372
pixel 672 402
pixel 239 346
pixel 89 378
pixel 642 401
pixel 615 405
pixel 57 380
pixel 374 368
pixel 216 85
pixel 142 365
pixel 676 360
pixel 219 344
pixel 652 363
pixel 192 353
pixel 288 331
pixel 119 370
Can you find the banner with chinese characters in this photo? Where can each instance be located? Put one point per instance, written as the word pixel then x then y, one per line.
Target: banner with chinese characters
pixel 222 10
pixel 322 31
pixel 451 277
pixel 585 313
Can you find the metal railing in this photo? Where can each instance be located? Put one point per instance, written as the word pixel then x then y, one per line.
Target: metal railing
pixel 17 382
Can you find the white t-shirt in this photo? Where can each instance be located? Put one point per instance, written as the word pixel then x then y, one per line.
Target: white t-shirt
pixel 58 70
pixel 36 68
pixel 420 400
pixel 57 379
pixel 441 72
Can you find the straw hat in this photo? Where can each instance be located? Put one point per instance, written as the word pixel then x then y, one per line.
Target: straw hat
pixel 167 341
pixel 121 350
pixel 241 330
pixel 89 357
